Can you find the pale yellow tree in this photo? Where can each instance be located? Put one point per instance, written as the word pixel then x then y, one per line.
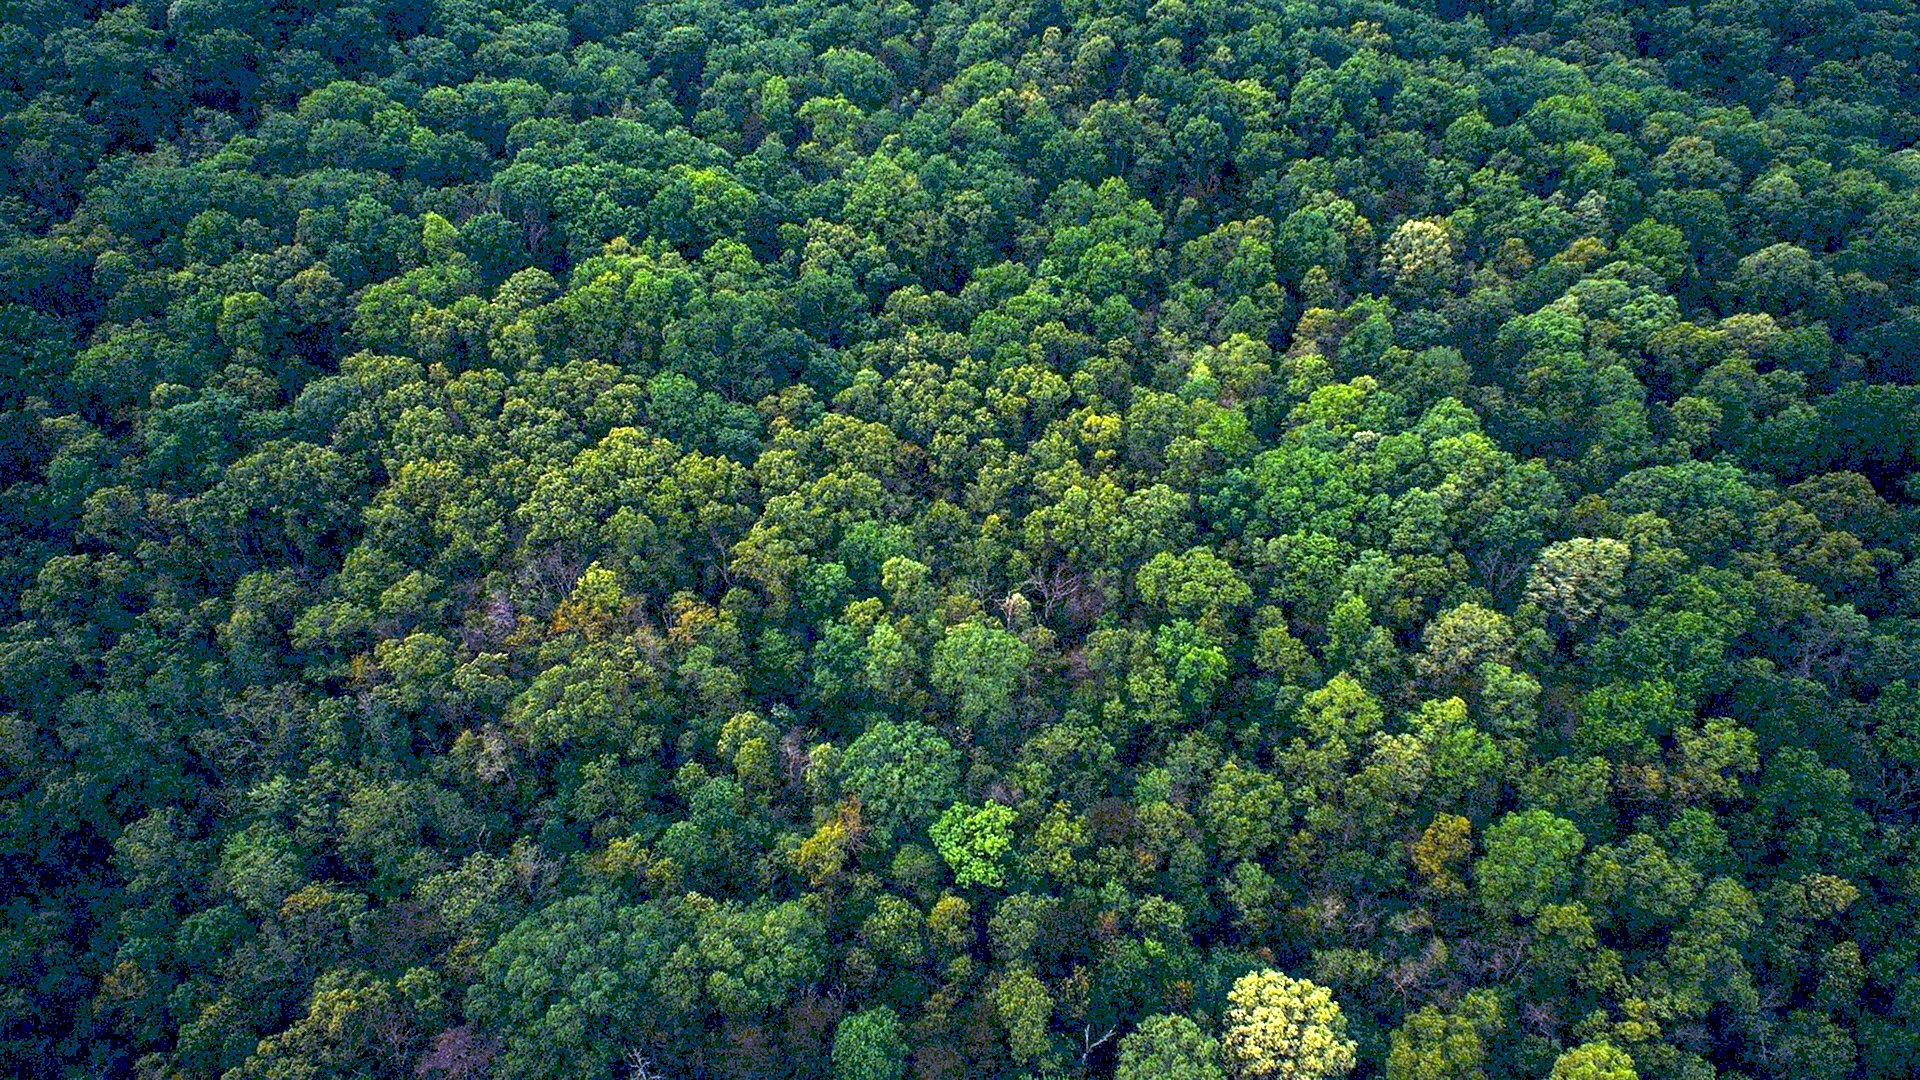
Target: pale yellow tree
pixel 1282 1028
pixel 1419 256
pixel 1575 579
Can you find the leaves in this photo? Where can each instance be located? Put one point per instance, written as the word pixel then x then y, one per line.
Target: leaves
pixel 548 542
pixel 974 841
pixel 1282 1027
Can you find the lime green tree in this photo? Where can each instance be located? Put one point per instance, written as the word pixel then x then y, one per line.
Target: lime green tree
pixel 975 841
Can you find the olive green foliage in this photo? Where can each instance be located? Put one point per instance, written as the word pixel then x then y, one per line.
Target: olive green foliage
pixel 816 539
pixel 1445 1043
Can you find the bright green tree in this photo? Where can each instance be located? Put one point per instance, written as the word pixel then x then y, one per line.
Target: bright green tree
pixel 974 841
pixel 1594 1061
pixel 1167 1047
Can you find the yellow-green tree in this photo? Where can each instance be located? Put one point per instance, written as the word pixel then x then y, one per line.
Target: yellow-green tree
pixel 1594 1061
pixel 1282 1028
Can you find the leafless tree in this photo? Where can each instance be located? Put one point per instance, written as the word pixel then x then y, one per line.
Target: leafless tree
pixel 640 1066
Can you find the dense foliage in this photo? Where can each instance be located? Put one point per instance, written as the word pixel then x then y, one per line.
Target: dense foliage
pixel 990 538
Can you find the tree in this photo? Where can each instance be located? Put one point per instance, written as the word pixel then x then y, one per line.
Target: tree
pixel 974 841
pixel 1244 811
pixel 869 1046
pixel 1784 279
pixel 1575 579
pixel 902 773
pixel 1529 862
pixel 1813 1046
pixel 1638 884
pixel 1285 1028
pixel 1594 1061
pixel 353 1020
pixel 573 984
pixel 1024 1008
pixel 1418 257
pixel 1436 1044
pixel 979 667
pixel 1167 1047
pixel 1463 638
pixel 1445 844
pixel 757 958
pixel 1197 585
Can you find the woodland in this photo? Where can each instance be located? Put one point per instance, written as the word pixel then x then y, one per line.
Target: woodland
pixel 1001 539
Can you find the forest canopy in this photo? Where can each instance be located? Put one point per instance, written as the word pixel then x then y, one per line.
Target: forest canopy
pixel 1203 539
